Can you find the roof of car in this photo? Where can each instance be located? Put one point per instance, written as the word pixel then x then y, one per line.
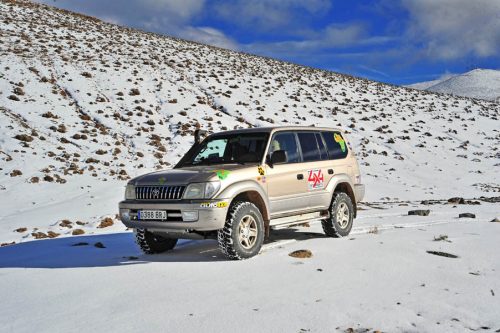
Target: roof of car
pixel 279 128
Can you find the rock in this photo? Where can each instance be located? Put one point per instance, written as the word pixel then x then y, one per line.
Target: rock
pixel 496 219
pixel 39 235
pixel 21 229
pixel 15 173
pixel 24 137
pixel 106 222
pixel 77 232
pixel 99 245
pixel 52 234
pixel 442 254
pixel 301 254
pixel 469 215
pixel 65 224
pixel 419 212
pixel 456 201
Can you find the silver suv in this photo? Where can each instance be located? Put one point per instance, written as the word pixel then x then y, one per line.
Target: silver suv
pixel 238 185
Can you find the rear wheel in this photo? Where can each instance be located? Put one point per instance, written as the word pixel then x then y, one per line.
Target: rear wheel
pixel 243 232
pixel 151 243
pixel 339 224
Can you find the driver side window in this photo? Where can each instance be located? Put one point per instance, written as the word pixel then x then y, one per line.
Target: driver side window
pixel 286 142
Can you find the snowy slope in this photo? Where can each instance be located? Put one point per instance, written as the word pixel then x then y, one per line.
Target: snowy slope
pixel 85 105
pixel 478 83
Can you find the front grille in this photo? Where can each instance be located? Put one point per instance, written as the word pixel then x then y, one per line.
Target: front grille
pixel 159 192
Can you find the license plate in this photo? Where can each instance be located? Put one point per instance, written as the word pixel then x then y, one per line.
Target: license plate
pixel 152 215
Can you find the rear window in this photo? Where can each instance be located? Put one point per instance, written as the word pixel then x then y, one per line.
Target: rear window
pixel 309 146
pixel 336 145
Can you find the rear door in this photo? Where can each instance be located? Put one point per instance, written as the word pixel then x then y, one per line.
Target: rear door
pixel 317 169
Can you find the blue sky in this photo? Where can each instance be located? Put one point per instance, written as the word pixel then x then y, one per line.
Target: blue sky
pixel 394 41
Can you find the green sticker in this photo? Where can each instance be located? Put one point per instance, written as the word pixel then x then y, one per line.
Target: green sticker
pixel 222 174
pixel 162 180
pixel 340 140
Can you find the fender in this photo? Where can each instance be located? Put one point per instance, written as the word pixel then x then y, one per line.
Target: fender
pixel 235 189
pixel 337 179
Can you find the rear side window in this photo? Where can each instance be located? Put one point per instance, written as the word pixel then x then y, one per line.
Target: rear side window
pixel 309 146
pixel 286 142
pixel 322 149
pixel 336 145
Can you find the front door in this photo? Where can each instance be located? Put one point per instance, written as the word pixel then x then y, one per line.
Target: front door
pixel 288 182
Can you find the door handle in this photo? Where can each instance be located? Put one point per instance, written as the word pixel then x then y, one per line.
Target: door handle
pixel 330 171
pixel 300 176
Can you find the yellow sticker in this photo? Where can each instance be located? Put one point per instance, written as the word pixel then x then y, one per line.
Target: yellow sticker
pixel 221 204
pixel 261 170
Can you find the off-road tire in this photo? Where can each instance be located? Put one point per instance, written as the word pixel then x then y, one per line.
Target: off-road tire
pixel 331 226
pixel 151 243
pixel 229 236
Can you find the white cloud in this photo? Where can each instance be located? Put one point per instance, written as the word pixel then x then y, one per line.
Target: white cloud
pixel 210 36
pixel 266 15
pixel 452 29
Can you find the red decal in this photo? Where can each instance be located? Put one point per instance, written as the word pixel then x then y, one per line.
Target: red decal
pixel 316 180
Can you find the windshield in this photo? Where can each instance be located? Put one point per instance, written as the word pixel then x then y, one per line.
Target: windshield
pixel 242 148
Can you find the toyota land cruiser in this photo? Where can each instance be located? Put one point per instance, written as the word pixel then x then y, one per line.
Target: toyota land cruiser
pixel 238 185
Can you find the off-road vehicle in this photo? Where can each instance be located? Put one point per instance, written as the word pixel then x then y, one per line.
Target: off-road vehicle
pixel 238 185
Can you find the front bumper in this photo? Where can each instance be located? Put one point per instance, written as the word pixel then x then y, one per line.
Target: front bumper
pixel 359 192
pixel 211 215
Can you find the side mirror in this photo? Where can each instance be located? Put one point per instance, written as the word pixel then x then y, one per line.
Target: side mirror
pixel 199 135
pixel 278 156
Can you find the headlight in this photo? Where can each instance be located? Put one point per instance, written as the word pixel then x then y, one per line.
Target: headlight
pixel 201 190
pixel 130 192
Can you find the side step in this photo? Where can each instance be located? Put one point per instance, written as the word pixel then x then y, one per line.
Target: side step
pixel 288 221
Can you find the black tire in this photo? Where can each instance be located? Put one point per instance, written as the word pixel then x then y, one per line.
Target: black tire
pixel 151 243
pixel 243 232
pixel 333 227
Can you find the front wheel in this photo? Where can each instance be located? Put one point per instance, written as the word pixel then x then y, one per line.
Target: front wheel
pixel 243 232
pixel 151 243
pixel 339 224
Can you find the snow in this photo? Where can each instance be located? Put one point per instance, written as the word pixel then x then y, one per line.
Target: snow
pixel 90 134
pixel 380 281
pixel 478 83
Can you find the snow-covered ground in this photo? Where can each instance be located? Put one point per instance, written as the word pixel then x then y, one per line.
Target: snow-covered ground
pixel 379 278
pixel 478 83
pixel 85 105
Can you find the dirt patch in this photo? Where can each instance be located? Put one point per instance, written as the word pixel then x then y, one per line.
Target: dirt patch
pixel 302 254
pixel 106 222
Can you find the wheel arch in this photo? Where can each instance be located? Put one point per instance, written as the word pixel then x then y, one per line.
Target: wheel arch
pixel 346 187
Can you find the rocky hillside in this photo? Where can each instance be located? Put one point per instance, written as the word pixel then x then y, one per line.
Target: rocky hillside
pixel 85 103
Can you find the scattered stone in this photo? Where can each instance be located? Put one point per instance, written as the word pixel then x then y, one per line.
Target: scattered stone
pixel 302 254
pixel 442 238
pixel 80 223
pixel 106 222
pixel 21 229
pixel 7 244
pixel 13 98
pixel 419 212
pixel 496 219
pixel 15 173
pixel 442 254
pixel 456 201
pixel 99 245
pixel 467 215
pixel 52 234
pixel 66 224
pixel 39 235
pixel 80 244
pixel 77 232
pixel 24 137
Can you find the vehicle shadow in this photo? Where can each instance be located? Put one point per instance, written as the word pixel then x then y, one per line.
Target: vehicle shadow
pixel 119 250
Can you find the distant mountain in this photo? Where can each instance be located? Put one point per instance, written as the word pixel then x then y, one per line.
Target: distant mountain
pixel 478 83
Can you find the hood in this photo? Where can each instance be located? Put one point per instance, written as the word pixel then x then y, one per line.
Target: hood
pixel 183 176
